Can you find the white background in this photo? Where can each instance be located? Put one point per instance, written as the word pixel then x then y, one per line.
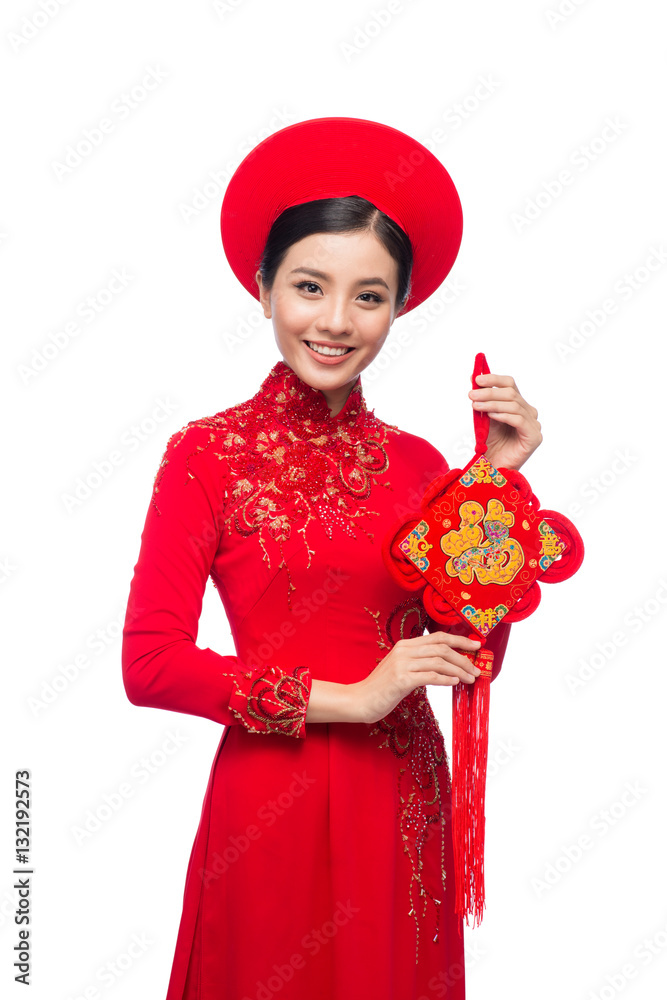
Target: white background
pixel 519 94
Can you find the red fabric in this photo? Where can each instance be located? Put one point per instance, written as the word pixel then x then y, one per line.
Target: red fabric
pixel 316 841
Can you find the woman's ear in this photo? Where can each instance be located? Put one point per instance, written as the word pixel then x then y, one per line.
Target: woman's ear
pixel 264 295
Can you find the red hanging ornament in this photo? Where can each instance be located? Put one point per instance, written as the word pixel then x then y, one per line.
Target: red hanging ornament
pixel 476 551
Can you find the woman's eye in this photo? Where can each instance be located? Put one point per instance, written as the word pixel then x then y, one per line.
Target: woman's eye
pixel 312 287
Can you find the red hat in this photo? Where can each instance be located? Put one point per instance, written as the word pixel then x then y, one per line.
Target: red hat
pixel 336 157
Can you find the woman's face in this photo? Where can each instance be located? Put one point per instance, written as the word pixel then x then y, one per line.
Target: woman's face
pixel 335 291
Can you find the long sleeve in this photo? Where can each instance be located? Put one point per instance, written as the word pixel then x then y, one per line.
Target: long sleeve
pixel 162 665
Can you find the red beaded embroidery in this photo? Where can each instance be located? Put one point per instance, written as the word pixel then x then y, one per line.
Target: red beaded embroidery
pixel 413 734
pixel 275 699
pixel 290 461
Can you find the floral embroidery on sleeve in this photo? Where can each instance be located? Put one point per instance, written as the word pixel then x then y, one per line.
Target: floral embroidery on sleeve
pixel 273 699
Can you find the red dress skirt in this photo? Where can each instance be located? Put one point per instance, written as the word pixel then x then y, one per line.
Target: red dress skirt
pixel 322 865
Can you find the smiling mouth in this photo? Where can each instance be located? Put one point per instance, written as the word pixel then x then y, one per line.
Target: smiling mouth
pixel 335 352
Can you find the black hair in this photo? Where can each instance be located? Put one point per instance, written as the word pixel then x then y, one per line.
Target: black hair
pixel 337 215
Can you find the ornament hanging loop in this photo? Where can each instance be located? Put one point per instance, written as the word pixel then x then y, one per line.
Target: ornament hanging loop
pixel 481 418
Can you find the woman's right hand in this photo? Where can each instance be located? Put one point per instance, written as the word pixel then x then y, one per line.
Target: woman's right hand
pixel 423 659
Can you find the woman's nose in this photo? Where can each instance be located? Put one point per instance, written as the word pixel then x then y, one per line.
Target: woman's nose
pixel 333 316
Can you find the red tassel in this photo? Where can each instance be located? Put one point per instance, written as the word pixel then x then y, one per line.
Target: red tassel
pixel 470 738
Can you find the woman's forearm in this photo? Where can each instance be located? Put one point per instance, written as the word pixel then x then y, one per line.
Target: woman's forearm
pixel 332 702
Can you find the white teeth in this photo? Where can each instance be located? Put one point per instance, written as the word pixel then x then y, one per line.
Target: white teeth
pixel 334 351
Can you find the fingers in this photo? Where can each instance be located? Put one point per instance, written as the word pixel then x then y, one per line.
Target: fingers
pixel 507 405
pixel 434 656
pixel 503 404
pixel 447 672
pixel 502 381
pixel 447 638
pixel 439 635
pixel 500 389
pixel 438 650
pixel 442 644
pixel 463 666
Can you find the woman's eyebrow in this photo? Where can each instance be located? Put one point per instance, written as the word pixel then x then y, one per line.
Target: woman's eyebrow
pixel 325 277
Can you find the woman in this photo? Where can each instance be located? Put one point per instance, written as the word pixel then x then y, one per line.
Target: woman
pixel 322 865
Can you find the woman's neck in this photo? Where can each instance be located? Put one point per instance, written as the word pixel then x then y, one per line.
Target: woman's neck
pixel 337 398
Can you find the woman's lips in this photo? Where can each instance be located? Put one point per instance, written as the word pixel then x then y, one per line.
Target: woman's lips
pixel 328 359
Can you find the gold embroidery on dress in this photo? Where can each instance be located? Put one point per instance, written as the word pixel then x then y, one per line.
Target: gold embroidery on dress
pixel 412 734
pixel 277 700
pixel 289 461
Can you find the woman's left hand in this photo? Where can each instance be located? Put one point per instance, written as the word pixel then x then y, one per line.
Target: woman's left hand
pixel 514 430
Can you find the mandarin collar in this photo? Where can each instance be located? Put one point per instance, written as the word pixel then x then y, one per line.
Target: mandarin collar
pixel 296 401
